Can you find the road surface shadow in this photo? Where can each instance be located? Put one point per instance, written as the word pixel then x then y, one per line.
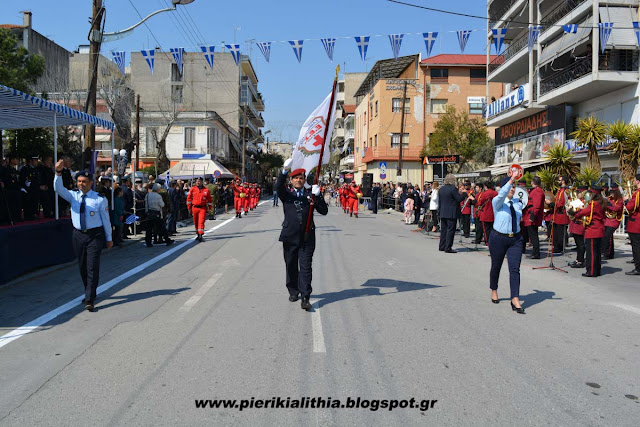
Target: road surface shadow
pixel 123 299
pixel 536 297
pixel 371 287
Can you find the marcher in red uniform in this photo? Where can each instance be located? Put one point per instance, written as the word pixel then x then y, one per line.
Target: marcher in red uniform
pixel 576 229
pixel 342 195
pixel 633 227
pixel 352 195
pixel 532 217
pixel 252 195
pixel 199 201
pixel 560 218
pixel 238 196
pixel 258 192
pixel 486 210
pixel 465 209
pixel 615 207
pixel 593 214
pixel 476 212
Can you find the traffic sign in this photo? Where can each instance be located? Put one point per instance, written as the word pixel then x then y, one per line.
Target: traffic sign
pixel 217 173
pixel 383 176
pixel 515 171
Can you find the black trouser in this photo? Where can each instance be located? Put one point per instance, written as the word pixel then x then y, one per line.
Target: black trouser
pixel 298 258
pixel 117 234
pixel 466 224
pixel 488 228
pixel 47 200
pixel 30 204
pixel 635 249
pixel 447 233
pixel 525 237
pixel 155 227
pixel 417 215
pixel 435 221
pixel 171 221
pixel 559 237
pixel 579 239
pixel 479 231
pixel 87 247
pixel 607 242
pixel 374 204
pixel 594 254
pixel 511 247
pixel 532 233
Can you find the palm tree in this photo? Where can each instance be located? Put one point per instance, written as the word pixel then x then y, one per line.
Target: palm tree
pixel 588 176
pixel 548 178
pixel 633 151
pixel 591 132
pixel 561 161
pixel 620 132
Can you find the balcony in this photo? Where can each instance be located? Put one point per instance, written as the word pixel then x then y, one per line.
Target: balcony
pixel 512 63
pixel 249 124
pixel 566 12
pixel 577 82
pixel 338 134
pixel 347 161
pixel 349 134
pixel 498 9
pixel 557 12
pixel 387 153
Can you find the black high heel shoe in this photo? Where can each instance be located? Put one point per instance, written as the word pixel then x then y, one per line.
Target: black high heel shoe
pixel 516 309
pixel 495 301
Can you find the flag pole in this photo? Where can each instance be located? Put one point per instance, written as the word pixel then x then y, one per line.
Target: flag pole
pixel 324 141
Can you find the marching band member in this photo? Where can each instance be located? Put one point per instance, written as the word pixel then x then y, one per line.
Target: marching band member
pixel 576 229
pixel 466 210
pixel 560 218
pixel 486 210
pixel 199 201
pixel 238 196
pixel 353 194
pixel 532 216
pixel 633 227
pixel 476 212
pixel 613 217
pixel 593 214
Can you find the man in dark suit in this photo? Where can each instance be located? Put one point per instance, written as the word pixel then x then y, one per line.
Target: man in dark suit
pixel 375 191
pixel 449 207
pixel 298 250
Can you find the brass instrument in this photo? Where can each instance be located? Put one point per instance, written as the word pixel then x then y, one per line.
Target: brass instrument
pixel 573 203
pixel 549 197
pixel 608 212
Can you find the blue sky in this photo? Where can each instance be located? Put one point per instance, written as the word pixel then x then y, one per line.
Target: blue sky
pixel 291 90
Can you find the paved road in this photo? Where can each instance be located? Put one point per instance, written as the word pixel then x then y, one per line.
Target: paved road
pixel 393 319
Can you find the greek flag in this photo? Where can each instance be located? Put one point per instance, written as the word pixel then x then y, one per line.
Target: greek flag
pixel 208 54
pixel 429 41
pixel 235 51
pixel 534 32
pixel 463 38
pixel 167 180
pixel 265 48
pixel 329 44
pixel 131 219
pixel 363 45
pixel 570 28
pixel 396 42
pixel 636 28
pixel 297 48
pixel 605 31
pixel 119 58
pixel 498 38
pixel 178 54
pixel 149 57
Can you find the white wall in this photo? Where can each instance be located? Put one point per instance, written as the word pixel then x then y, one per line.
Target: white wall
pixel 619 105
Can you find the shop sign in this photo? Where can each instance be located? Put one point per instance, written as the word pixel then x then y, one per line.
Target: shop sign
pixel 512 99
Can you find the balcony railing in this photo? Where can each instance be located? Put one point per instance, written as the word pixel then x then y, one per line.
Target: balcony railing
pixel 557 13
pixel 349 134
pixel 499 12
pixel 514 47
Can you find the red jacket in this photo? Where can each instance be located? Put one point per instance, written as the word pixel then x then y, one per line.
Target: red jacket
pixel 594 215
pixel 467 204
pixel 200 198
pixel 633 206
pixel 534 208
pixel 575 226
pixel 560 217
pixel 352 192
pixel 238 189
pixel 486 212
pixel 617 207
pixel 476 203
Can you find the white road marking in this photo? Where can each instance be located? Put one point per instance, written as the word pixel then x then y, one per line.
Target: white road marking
pixel 316 324
pixel 29 327
pixel 200 293
pixel 630 308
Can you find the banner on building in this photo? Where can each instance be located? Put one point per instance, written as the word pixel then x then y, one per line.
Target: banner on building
pixel 178 55
pixel 534 32
pixel 498 38
pixel 604 29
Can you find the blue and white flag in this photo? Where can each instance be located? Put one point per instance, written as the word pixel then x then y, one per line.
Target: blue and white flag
pixel 329 44
pixel 265 48
pixel 636 28
pixel 429 41
pixel 178 54
pixel 396 42
pixel 463 38
pixel 208 54
pixel 498 38
pixel 534 32
pixel 363 45
pixel 119 58
pixel 605 31
pixel 131 219
pixel 235 51
pixel 149 57
pixel 167 180
pixel 297 48
pixel 570 28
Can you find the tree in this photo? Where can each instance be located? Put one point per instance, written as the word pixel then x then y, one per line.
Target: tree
pixel 626 144
pixel 591 132
pixel 548 177
pixel 456 133
pixel 18 69
pixel 588 176
pixel 561 161
pixel 120 101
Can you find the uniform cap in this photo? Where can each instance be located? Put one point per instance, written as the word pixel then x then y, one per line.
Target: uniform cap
pixel 615 186
pixel 296 172
pixel 595 189
pixel 85 174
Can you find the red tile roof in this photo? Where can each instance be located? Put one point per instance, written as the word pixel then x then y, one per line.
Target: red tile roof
pixel 457 59
pixel 10 26
pixel 350 109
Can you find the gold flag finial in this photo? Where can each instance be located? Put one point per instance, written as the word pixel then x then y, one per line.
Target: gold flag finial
pixel 337 71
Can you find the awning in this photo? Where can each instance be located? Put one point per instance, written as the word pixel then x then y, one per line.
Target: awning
pixel 622 35
pixel 565 43
pixel 187 169
pixel 19 110
pixel 502 169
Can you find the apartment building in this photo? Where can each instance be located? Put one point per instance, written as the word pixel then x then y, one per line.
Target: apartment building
pixel 344 133
pixel 565 76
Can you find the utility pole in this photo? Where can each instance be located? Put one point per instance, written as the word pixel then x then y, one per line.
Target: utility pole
pixel 95 38
pixel 135 167
pixel 404 97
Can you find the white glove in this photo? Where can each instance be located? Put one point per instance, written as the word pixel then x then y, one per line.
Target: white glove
pixel 315 190
pixel 307 185
pixel 287 164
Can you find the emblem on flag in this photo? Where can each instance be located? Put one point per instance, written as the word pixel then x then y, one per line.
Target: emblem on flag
pixel 605 31
pixel 149 57
pixel 119 59
pixel 297 48
pixel 235 51
pixel 636 29
pixel 178 54
pixel 208 54
pixel 396 42
pixel 463 38
pixel 498 38
pixel 265 48
pixel 363 45
pixel 329 44
pixel 131 219
pixel 570 28
pixel 534 32
pixel 429 41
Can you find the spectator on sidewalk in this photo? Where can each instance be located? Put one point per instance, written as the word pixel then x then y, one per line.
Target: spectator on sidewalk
pixel 118 216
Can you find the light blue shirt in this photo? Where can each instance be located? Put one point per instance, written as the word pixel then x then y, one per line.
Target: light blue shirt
pixel 96 211
pixel 502 211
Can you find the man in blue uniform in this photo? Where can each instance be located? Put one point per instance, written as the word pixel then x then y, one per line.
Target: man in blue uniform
pixel 91 228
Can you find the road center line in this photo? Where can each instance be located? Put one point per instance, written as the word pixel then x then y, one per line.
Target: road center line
pixel 630 308
pixel 316 325
pixel 29 327
pixel 200 293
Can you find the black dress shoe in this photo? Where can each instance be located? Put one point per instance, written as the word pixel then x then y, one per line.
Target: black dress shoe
pixel 631 262
pixel 305 304
pixel 516 309
pixel 89 307
pixel 450 251
pixel 633 273
pixel 534 257
pixel 294 298
pixel 576 264
pixel 587 275
pixel 169 242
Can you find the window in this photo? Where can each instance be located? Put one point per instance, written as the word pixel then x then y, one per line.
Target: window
pixel 189 138
pixel 395 140
pixel 438 106
pixel 151 136
pixel 176 75
pixel 439 75
pixel 375 141
pixel 376 108
pixel 396 105
pixel 370 110
pixel 212 141
pixel 475 108
pixel 176 94
pixel 478 75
